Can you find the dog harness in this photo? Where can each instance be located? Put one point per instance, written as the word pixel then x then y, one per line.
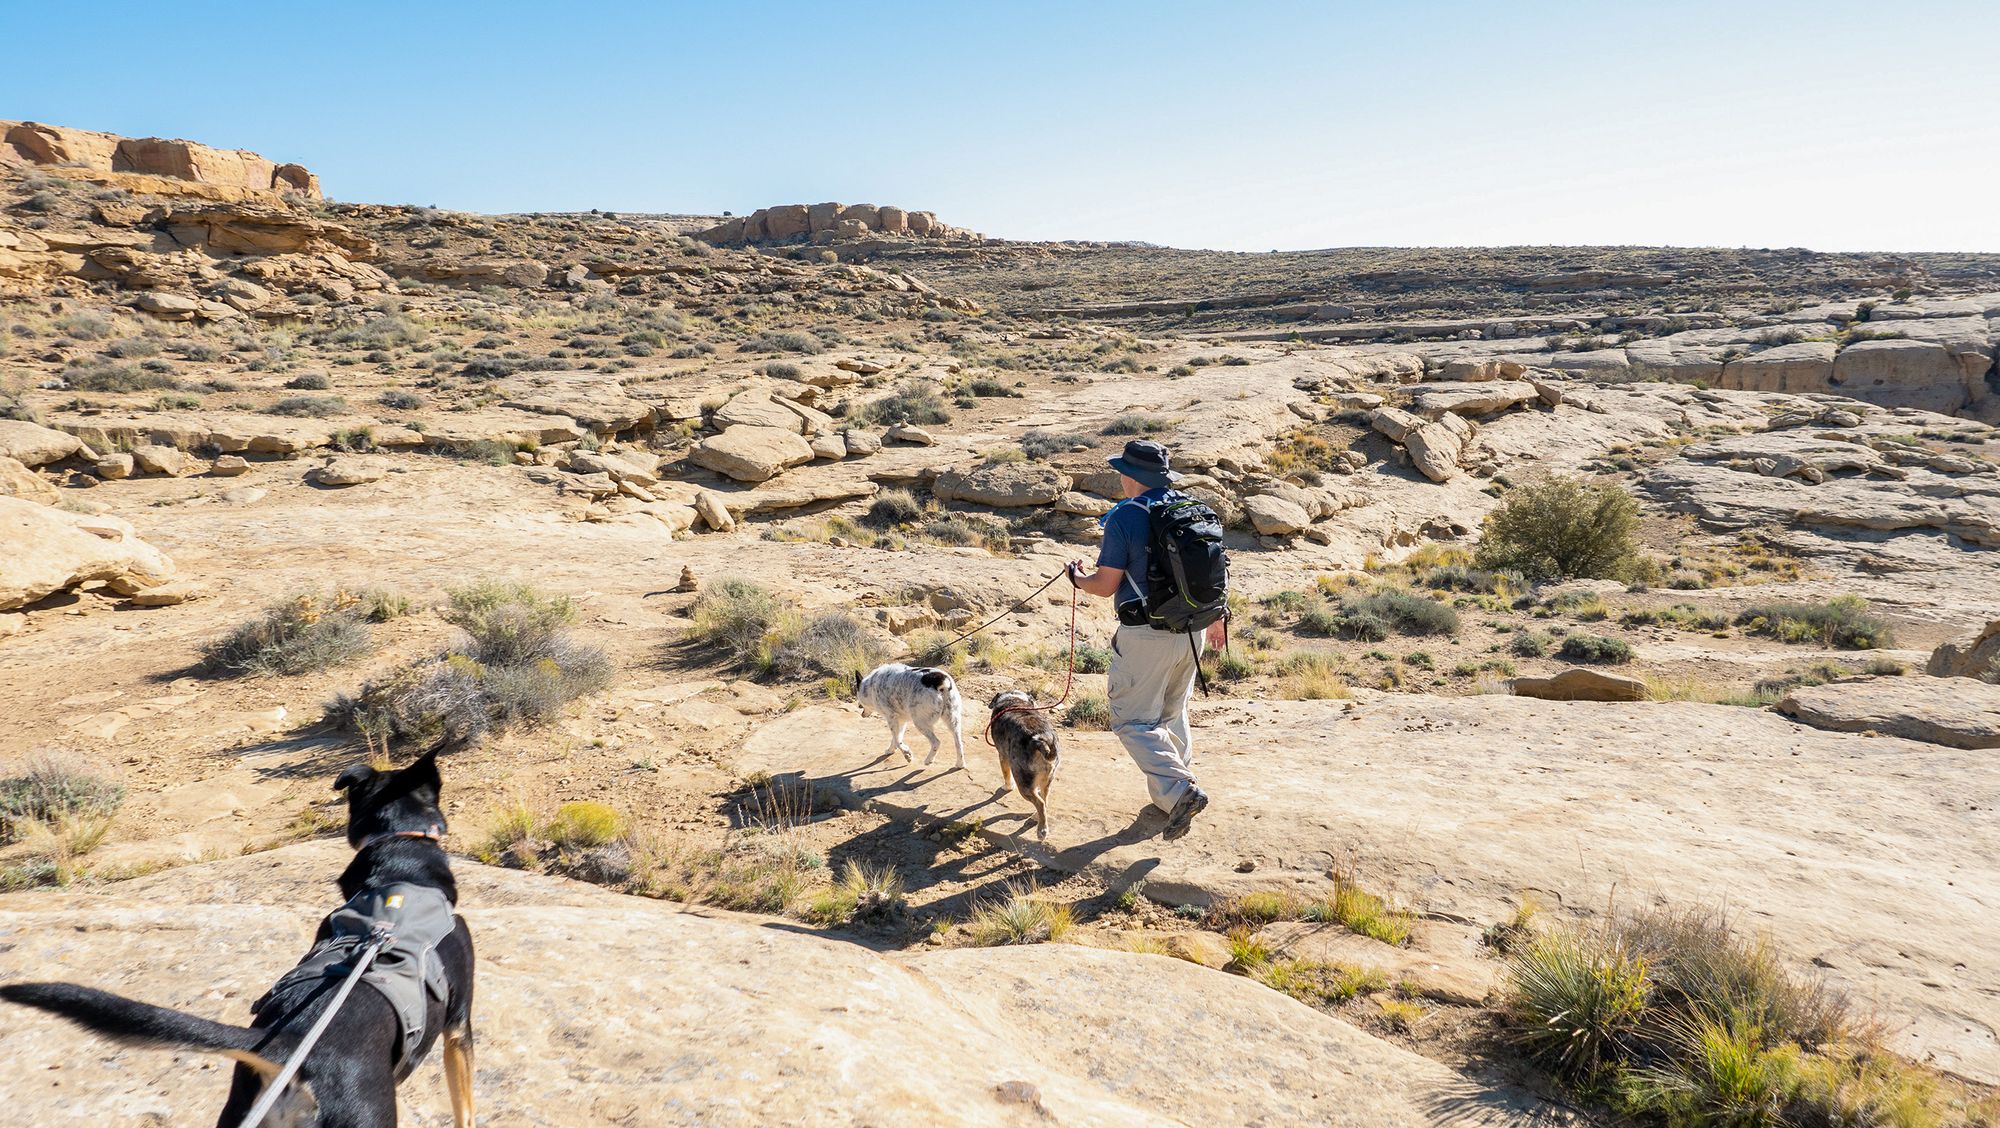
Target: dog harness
pixel 406 971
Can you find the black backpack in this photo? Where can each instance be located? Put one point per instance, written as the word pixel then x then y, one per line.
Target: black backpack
pixel 1187 571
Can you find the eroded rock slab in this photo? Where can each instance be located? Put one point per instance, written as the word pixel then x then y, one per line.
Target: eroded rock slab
pixel 1954 712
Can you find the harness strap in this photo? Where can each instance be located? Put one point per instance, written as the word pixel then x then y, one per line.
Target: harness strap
pixel 275 1088
pixel 434 834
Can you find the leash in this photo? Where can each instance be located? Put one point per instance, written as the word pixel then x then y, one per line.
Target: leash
pixel 1069 678
pixel 1018 606
pixel 377 938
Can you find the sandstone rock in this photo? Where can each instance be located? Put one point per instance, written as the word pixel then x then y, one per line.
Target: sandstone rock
pixel 1580 684
pixel 1902 373
pixel 1082 505
pixel 17 480
pixel 348 470
pixel 1435 447
pixel 892 220
pixel 229 466
pixel 861 443
pixel 620 467
pixel 1955 712
pixel 910 433
pixel 237 170
pixel 861 366
pixel 1971 655
pixel 49 550
pixel 596 400
pixel 1433 401
pixel 596 486
pixel 113 467
pixel 1675 361
pixel 32 444
pixel 1806 366
pixel 713 512
pixel 672 1019
pixel 1203 948
pixel 832 447
pixel 1480 369
pixel 1007 485
pixel 164 460
pixel 169 594
pixel 1394 422
pixel 1274 516
pixel 757 408
pixel 752 453
pixel 786 221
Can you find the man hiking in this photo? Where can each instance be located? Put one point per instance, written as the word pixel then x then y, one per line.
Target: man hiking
pixel 1162 565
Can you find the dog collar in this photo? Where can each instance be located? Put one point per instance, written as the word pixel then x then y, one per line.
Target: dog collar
pixel 433 834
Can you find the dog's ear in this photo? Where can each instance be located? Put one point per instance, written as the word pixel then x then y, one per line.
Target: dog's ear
pixel 857 681
pixel 359 773
pixel 422 774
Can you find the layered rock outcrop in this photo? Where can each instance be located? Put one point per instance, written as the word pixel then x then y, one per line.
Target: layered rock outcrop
pixel 29 142
pixel 830 222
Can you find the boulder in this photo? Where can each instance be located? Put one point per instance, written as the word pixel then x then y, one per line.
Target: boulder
pixel 1806 366
pixel 861 365
pixel 113 467
pixel 910 433
pixel 595 400
pixel 1394 422
pixel 164 460
pixel 1580 684
pixel 1271 515
pixel 348 470
pixel 1954 712
pixel 169 594
pixel 229 466
pixel 891 220
pixel 860 443
pixel 1675 361
pixel 786 221
pixel 758 408
pixel 32 444
pixel 1975 654
pixel 49 550
pixel 713 513
pixel 751 453
pixel 1435 447
pixel 1434 400
pixel 17 480
pixel 1081 504
pixel 1480 369
pixel 832 447
pixel 1902 373
pixel 619 467
pixel 1007 485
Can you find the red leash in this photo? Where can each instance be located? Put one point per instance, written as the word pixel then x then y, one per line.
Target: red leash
pixel 1069 678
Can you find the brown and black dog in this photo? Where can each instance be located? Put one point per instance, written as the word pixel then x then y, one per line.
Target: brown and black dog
pixel 1026 741
pixel 401 877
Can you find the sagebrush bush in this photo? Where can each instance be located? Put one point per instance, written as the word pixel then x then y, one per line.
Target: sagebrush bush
pixel 309 407
pixel 54 788
pixel 1841 622
pixel 398 400
pixel 1561 528
pixel 305 634
pixel 1090 711
pixel 1138 423
pixel 309 382
pixel 1039 444
pixel 833 644
pixel 109 377
pixel 507 623
pixel 913 400
pixel 891 508
pixel 1529 644
pixel 1411 613
pixel 1595 649
pixel 804 344
pixel 734 615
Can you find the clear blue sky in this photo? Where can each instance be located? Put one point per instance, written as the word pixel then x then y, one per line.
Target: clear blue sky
pixel 1248 126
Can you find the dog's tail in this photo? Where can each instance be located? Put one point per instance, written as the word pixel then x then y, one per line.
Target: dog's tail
pixel 1045 745
pixel 142 1024
pixel 935 679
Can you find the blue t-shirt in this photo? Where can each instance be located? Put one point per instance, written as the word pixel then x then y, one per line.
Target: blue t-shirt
pixel 1128 540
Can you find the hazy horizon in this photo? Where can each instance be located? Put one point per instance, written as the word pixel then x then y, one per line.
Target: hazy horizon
pixel 1838 128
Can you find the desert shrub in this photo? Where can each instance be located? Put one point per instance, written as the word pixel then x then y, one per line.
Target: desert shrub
pixel 1595 649
pixel 1310 676
pixel 987 387
pixel 1138 423
pixel 834 644
pixel 1458 577
pixel 1020 918
pixel 1411 613
pixel 1575 1002
pixel 311 407
pixel 515 665
pixel 804 344
pixel 54 788
pixel 399 400
pixel 912 401
pixel 1039 444
pixel 1234 667
pixel 780 370
pixel 380 333
pixel 1842 622
pixel 127 348
pixel 584 824
pixel 1317 982
pixel 1090 711
pixel 83 326
pixel 733 615
pixel 1699 964
pixel 891 508
pixel 966 529
pixel 1561 528
pixel 862 891
pixel 103 377
pixel 1529 644
pixel 309 382
pixel 305 634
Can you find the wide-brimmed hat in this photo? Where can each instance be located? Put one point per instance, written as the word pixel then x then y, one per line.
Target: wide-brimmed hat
pixel 1145 462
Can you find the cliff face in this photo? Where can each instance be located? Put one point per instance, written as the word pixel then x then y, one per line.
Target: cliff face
pixel 28 142
pixel 830 222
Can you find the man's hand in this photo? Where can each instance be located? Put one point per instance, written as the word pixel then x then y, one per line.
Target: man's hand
pixel 1218 634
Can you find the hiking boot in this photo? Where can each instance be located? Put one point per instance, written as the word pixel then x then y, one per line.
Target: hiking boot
pixel 1191 804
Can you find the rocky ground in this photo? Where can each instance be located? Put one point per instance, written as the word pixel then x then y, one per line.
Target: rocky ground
pixel 215 400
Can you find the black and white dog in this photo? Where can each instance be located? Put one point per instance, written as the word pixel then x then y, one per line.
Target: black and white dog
pixel 401 878
pixel 909 695
pixel 1026 741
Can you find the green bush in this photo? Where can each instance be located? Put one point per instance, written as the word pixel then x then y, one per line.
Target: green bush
pixel 53 788
pixel 891 508
pixel 397 400
pixel 1575 1003
pixel 508 624
pixel 584 824
pixel 311 407
pixel 309 382
pixel 1595 649
pixel 1091 711
pixel 913 400
pixel 1138 423
pixel 733 616
pixel 1561 528
pixel 1529 644
pixel 104 377
pixel 1409 612
pixel 1842 622
pixel 1039 445
pixel 305 634
pixel 834 644
pixel 804 344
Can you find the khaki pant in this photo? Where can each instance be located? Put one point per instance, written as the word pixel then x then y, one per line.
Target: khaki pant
pixel 1152 676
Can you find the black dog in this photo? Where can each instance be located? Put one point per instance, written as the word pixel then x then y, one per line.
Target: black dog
pixel 422 979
